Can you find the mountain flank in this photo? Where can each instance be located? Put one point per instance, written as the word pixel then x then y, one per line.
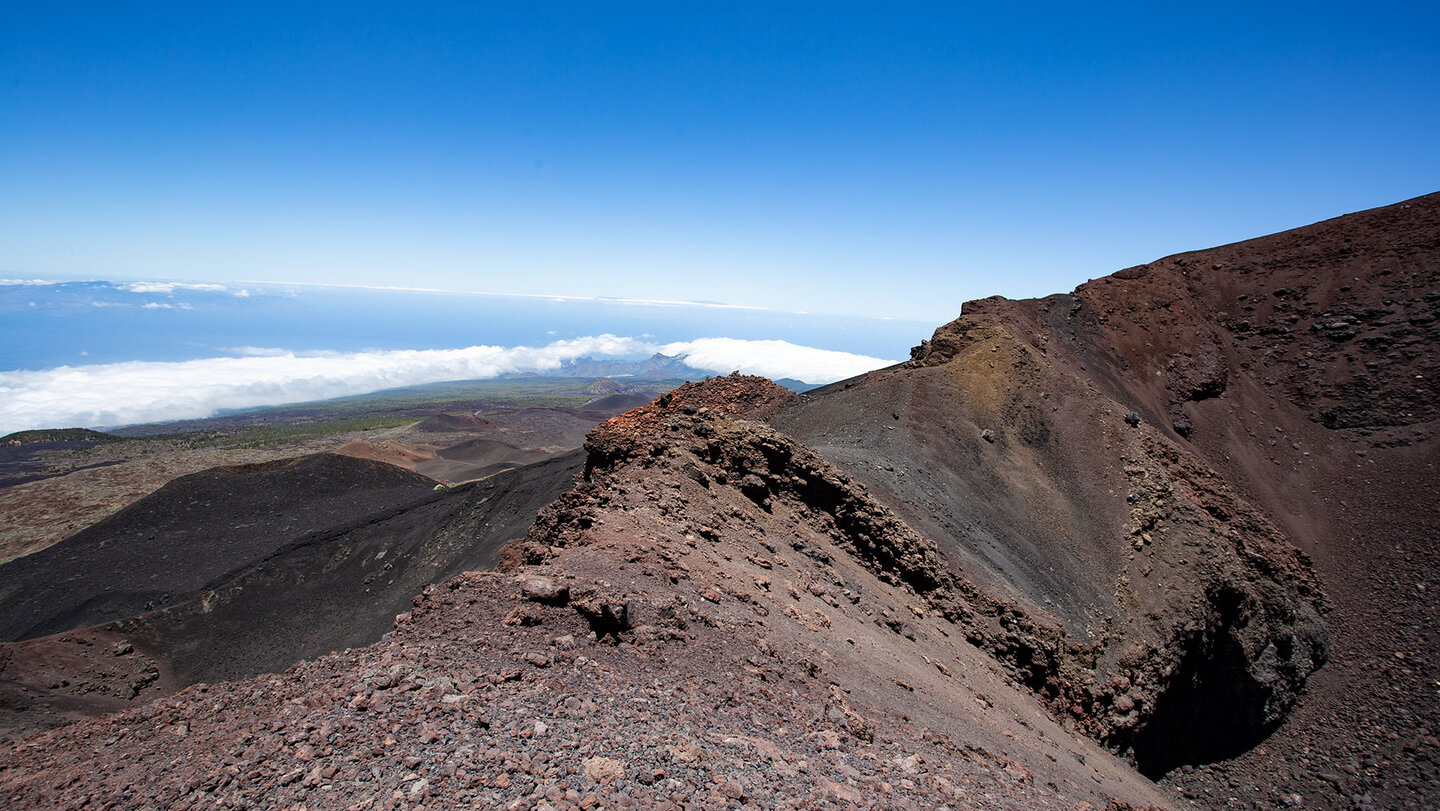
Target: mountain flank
pixel 190 533
pixel 1300 368
pixel 49 490
pixel 669 632
pixel 1164 541
pixel 254 599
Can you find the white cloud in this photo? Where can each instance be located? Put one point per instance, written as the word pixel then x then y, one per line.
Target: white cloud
pixel 157 305
pixel 27 282
pixel 259 351
pixel 149 287
pixel 138 392
pixel 773 359
pixel 169 287
pixel 135 392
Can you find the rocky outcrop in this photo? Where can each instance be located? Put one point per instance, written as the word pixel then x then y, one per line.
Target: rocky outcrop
pixel 1336 318
pixel 1234 619
pixel 1141 596
pixel 742 396
pixel 717 617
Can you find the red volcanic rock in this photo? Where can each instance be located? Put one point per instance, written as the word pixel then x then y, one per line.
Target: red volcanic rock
pixel 736 395
pixel 1296 370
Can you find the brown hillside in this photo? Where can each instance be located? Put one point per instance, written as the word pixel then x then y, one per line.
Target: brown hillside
pixel 1137 531
pixel 1300 367
pixel 1303 366
pixel 692 627
pixel 392 453
pixel 336 585
pixel 446 423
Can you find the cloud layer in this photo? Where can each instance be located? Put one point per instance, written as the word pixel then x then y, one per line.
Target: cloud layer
pixel 772 359
pixel 139 392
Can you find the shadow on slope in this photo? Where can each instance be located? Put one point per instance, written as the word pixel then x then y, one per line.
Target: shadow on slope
pixel 189 533
pixel 343 587
pixel 329 588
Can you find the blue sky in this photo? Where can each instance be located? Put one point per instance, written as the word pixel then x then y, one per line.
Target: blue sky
pixel 880 159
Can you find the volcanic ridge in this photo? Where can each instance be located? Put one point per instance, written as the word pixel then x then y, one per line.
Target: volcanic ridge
pixel 1167 540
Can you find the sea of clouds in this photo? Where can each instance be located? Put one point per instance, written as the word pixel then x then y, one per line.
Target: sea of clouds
pixel 115 394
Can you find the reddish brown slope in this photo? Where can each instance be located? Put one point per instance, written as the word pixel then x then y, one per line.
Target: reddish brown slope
pixel 1301 366
pixel 1190 621
pixel 704 623
pixel 1306 367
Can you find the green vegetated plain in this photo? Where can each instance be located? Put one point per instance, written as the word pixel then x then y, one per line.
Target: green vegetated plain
pixel 41 435
pixel 391 408
pixel 42 453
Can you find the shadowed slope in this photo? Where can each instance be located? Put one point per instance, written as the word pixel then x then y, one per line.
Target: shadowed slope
pixel 342 587
pixel 336 587
pixel 176 541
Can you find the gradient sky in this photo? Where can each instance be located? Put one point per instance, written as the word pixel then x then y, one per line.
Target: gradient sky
pixel 886 159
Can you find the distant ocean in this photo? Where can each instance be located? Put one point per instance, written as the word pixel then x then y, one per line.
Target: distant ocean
pixel 43 326
pixel 108 353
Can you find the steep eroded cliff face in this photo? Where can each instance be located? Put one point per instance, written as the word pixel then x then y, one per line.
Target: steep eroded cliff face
pixel 1209 631
pixel 1298 371
pixel 1190 624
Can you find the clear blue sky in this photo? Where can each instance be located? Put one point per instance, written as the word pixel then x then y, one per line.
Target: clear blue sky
pixel 888 159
